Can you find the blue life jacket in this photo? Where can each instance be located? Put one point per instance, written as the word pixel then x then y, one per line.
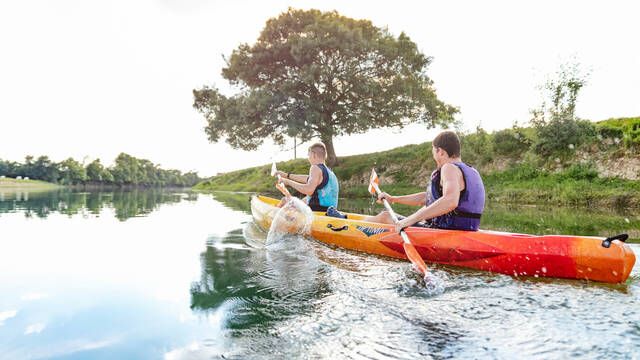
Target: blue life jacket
pixel 467 215
pixel 326 193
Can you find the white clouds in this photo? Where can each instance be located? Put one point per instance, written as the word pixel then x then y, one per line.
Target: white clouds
pixel 35 328
pixel 5 315
pixel 33 296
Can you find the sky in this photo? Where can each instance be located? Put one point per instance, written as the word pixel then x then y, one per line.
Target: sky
pixel 92 79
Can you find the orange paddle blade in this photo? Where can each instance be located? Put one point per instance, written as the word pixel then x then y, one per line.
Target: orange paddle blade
pixel 373 180
pixel 283 189
pixel 415 258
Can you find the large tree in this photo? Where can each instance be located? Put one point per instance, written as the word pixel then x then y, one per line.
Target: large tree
pixel 318 74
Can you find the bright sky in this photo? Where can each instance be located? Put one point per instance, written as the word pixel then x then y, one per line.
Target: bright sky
pixel 95 78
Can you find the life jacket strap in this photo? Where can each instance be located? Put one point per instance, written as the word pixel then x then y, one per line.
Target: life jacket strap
pixel 459 213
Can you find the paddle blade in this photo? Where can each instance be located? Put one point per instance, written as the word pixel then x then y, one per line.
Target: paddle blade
pixel 283 189
pixel 373 180
pixel 415 258
pixel 273 168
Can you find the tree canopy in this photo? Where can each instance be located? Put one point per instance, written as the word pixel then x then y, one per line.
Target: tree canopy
pixel 319 74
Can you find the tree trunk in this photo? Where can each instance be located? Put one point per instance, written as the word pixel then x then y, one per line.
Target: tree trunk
pixel 332 159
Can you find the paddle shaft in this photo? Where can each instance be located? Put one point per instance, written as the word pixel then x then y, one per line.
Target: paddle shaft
pixel 282 188
pixel 409 249
pixel 393 214
pixel 279 185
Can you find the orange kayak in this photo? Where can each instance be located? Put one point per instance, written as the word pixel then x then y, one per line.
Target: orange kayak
pixel 574 257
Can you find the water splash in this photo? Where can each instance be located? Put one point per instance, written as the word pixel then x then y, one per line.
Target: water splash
pixel 410 283
pixel 254 236
pixel 433 284
pixel 294 218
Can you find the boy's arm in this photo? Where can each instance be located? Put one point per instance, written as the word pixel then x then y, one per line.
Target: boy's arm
pixel 312 181
pixel 295 177
pixel 413 199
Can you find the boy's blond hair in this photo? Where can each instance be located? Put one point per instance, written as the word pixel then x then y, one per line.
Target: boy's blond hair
pixel 319 149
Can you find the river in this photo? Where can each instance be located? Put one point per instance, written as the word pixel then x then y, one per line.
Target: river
pixel 172 275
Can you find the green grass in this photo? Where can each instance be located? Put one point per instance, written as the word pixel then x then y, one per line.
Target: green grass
pixel 576 186
pixel 400 163
pixel 523 183
pixel 627 129
pixel 18 184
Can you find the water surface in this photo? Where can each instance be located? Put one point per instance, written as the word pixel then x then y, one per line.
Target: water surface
pixel 173 275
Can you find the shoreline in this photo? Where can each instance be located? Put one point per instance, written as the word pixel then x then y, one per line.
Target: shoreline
pixel 21 184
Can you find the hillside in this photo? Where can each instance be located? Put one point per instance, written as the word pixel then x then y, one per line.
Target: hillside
pixel 601 169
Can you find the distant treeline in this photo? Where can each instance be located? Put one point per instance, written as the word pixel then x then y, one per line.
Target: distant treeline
pixel 127 171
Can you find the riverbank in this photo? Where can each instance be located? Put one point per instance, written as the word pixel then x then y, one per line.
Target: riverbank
pixel 603 171
pixel 10 184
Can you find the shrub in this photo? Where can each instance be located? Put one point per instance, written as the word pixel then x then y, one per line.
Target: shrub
pixel 580 172
pixel 510 141
pixel 562 134
pixel 477 146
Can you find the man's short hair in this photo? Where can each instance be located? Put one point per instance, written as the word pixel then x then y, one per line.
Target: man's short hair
pixel 449 142
pixel 319 149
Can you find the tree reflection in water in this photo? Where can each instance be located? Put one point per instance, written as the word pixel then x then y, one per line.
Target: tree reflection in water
pixel 264 285
pixel 126 203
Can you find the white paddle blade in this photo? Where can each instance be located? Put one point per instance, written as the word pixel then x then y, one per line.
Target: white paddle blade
pixel 273 168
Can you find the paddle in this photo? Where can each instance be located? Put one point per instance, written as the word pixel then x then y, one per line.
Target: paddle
pixel 409 249
pixel 280 186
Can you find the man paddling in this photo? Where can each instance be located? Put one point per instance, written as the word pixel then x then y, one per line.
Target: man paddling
pixel 320 186
pixel 454 198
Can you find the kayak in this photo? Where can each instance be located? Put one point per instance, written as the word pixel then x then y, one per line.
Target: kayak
pixel 563 256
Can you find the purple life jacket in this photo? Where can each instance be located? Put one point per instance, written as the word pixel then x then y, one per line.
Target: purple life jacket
pixel 467 215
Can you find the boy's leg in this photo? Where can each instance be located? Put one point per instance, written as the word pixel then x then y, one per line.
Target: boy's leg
pixel 382 218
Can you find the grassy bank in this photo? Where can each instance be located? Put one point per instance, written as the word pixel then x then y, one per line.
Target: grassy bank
pixel 8 184
pixel 591 174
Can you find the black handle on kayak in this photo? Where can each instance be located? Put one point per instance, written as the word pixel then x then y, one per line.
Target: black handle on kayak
pixel 346 227
pixel 607 242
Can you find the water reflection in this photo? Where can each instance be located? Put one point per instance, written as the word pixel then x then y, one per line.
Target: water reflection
pixel 260 286
pixel 240 201
pixel 303 299
pixel 126 203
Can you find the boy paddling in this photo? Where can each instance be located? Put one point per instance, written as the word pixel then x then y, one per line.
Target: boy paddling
pixel 454 198
pixel 320 186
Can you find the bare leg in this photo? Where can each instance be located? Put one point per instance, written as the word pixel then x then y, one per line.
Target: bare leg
pixel 382 218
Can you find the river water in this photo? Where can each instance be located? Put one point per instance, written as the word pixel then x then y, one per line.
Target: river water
pixel 174 275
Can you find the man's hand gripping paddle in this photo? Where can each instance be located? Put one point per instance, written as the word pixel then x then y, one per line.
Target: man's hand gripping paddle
pixel 409 249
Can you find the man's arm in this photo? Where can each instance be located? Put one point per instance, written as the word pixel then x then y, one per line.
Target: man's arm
pixel 451 186
pixel 314 178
